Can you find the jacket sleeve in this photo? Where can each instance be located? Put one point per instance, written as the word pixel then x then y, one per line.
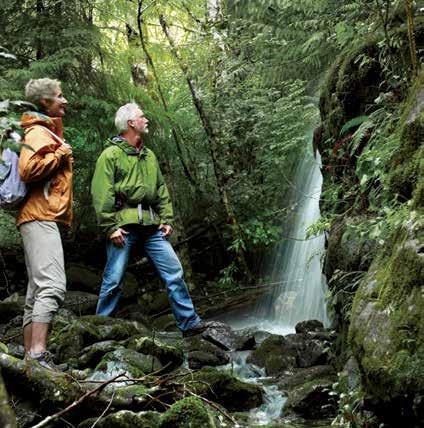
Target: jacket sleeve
pixel 103 194
pixel 37 164
pixel 164 206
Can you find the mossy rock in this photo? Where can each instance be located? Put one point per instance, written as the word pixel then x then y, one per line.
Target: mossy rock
pixel 312 399
pixel 406 174
pixel 170 356
pixel 225 389
pixel 203 353
pixel 190 412
pixel 132 362
pixel 387 323
pixel 125 419
pixel 69 341
pixel 165 323
pixel 273 355
pixel 91 355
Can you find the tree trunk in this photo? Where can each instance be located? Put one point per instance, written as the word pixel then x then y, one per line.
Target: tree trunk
pixel 214 150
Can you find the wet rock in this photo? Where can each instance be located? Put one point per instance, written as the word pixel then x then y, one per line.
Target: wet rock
pixel 313 352
pixel 170 356
pixel 274 355
pixel 186 413
pixel 125 419
pixel 203 353
pixel 222 335
pixel 245 339
pixel 294 378
pixel 129 361
pixel 312 400
pixel 155 303
pixel 225 389
pixel 309 326
pixel 279 353
pixel 80 302
pixel 91 355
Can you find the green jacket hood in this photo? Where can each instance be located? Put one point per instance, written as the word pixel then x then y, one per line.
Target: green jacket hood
pixel 124 145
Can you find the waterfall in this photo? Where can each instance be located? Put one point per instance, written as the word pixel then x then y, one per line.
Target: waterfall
pixel 296 262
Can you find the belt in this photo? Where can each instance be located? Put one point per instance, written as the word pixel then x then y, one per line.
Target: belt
pixel 140 210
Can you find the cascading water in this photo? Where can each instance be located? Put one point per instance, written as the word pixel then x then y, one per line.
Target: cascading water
pixel 295 265
pixel 296 262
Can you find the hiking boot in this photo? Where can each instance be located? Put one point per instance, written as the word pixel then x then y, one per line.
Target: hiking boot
pixel 45 359
pixel 197 329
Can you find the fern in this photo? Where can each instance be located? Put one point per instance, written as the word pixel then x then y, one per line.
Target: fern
pixel 356 121
pixel 359 135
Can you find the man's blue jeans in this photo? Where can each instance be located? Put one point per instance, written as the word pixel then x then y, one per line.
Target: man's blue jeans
pixel 163 256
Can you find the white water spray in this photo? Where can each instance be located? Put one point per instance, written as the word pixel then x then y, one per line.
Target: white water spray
pixel 296 263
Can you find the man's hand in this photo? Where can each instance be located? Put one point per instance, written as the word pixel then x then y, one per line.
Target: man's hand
pixel 118 237
pixel 166 229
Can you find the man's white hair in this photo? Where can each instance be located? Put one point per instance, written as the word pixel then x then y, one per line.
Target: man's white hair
pixel 124 114
pixel 39 89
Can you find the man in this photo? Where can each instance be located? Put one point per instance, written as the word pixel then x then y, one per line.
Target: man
pixel 46 163
pixel 133 207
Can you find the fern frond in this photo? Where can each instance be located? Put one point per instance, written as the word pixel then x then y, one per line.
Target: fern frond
pixel 359 135
pixel 356 121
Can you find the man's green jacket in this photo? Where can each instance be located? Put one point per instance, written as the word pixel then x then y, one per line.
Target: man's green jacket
pixel 128 188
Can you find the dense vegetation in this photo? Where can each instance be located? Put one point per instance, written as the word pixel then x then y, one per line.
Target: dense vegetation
pixel 233 90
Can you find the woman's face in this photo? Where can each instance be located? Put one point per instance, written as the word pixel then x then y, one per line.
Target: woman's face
pixel 55 106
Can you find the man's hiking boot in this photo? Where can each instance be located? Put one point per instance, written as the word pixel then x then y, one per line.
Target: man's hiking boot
pixel 197 329
pixel 45 359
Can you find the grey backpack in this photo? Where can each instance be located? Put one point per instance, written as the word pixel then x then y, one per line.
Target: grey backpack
pixel 12 189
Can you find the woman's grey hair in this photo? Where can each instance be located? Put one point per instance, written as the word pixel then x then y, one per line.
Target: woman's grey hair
pixel 124 114
pixel 39 89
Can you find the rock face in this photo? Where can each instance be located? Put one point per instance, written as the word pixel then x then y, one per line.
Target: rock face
pixel 387 328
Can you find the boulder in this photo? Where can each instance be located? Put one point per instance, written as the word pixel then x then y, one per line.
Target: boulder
pixel 68 342
pixel 225 389
pixel 133 363
pixel 125 419
pixel 187 413
pixel 309 326
pixel 203 353
pixel 170 356
pixel 278 353
pixel 223 335
pixel 91 355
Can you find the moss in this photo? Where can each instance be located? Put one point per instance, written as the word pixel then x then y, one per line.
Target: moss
pixel 124 419
pixel 225 389
pixel 387 334
pixel 189 412
pixel 169 356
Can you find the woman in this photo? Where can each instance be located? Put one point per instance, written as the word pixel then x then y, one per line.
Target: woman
pixel 45 163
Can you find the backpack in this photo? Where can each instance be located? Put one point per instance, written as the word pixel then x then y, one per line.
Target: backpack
pixel 12 189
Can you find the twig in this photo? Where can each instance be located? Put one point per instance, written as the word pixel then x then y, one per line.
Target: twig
pixel 57 415
pixel 105 410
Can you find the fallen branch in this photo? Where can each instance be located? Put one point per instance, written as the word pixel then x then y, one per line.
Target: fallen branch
pixel 105 410
pixel 57 415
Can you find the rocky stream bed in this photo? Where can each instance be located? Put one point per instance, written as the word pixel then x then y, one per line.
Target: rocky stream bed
pixel 124 373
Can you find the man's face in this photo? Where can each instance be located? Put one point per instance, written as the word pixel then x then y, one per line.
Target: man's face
pixel 55 106
pixel 140 123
